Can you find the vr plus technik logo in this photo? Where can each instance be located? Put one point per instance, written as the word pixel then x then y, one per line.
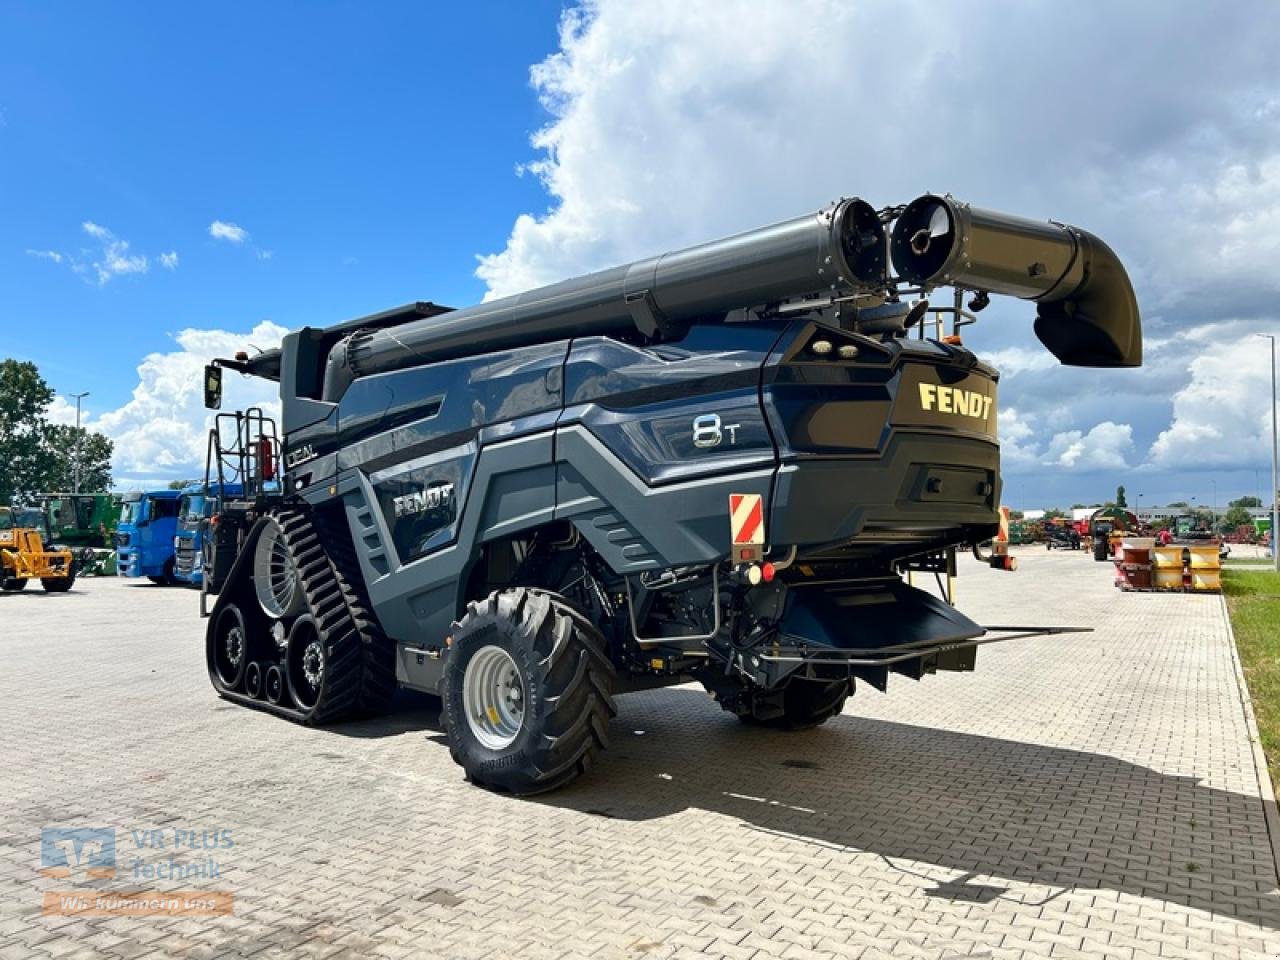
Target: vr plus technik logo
pixel 83 851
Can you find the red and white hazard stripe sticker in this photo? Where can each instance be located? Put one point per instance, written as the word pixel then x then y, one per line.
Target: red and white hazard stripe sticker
pixel 746 518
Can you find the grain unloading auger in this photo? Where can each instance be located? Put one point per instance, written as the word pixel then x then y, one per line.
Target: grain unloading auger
pixel 715 464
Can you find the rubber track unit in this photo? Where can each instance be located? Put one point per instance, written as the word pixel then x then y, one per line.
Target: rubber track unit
pixel 570 670
pixel 359 658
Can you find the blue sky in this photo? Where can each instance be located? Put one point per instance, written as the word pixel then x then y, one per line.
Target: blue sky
pixel 373 157
pixel 359 156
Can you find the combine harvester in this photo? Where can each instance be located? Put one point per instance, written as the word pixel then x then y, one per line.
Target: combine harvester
pixel 85 523
pixel 712 465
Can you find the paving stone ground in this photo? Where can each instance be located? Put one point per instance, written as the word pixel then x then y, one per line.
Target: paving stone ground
pixel 1086 795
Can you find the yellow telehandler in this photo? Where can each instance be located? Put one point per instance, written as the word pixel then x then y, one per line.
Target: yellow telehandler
pixel 23 557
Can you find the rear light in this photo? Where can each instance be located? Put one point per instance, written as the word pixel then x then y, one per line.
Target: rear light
pixel 827 344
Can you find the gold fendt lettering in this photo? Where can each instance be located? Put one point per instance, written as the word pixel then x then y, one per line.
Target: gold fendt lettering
pixel 966 403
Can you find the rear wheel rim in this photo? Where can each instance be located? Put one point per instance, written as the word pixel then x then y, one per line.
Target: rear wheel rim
pixel 493 696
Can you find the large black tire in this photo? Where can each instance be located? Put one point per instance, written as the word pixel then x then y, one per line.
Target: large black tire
pixel 805 704
pixel 566 684
pixel 57 584
pixel 13 584
pixel 1101 547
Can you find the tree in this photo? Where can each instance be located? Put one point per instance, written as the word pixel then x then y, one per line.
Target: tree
pixel 94 451
pixel 23 399
pixel 1120 500
pixel 1238 516
pixel 36 455
pixel 1180 505
pixel 1246 502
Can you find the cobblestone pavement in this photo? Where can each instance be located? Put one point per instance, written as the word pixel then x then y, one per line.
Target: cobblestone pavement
pixel 1086 795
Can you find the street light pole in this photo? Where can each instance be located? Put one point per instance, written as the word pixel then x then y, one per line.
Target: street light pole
pixel 75 468
pixel 1275 458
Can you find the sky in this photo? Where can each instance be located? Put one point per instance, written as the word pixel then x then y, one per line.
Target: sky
pixel 183 181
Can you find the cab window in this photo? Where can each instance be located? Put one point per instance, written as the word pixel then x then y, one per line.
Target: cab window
pixel 164 508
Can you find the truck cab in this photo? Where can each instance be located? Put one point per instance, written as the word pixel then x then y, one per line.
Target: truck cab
pixel 144 536
pixel 196 507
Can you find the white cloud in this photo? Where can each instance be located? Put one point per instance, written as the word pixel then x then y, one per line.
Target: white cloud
pixel 235 234
pixel 671 123
pixel 1017 439
pixel 1222 413
pixel 53 255
pixel 1106 446
pixel 232 233
pixel 160 433
pixel 114 258
pixel 169 260
pixel 63 411
pixel 1014 360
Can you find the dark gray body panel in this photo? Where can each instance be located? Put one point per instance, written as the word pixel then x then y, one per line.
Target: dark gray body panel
pixel 601 434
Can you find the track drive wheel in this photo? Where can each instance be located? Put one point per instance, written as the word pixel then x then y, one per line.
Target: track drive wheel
pixel 805 704
pixel 527 692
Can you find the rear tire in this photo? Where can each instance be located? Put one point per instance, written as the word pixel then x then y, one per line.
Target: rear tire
pixel 805 704
pixel 57 584
pixel 1100 549
pixel 13 585
pixel 527 692
pixel 166 579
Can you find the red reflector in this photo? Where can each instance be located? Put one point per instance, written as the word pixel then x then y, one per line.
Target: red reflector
pixel 768 572
pixel 267 460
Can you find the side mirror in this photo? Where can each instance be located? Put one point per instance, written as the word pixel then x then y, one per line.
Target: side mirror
pixel 213 387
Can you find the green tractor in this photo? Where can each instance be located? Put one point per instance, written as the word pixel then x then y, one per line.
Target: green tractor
pixel 86 524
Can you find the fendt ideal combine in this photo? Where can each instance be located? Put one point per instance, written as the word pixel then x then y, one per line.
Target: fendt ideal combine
pixel 713 465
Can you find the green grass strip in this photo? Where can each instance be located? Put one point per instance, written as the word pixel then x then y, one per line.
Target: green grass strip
pixel 1253 599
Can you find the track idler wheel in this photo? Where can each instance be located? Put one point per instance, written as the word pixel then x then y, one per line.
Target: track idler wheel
pixel 273 684
pixel 253 680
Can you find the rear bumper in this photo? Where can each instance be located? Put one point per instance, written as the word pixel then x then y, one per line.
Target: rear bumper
pixel 922 487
